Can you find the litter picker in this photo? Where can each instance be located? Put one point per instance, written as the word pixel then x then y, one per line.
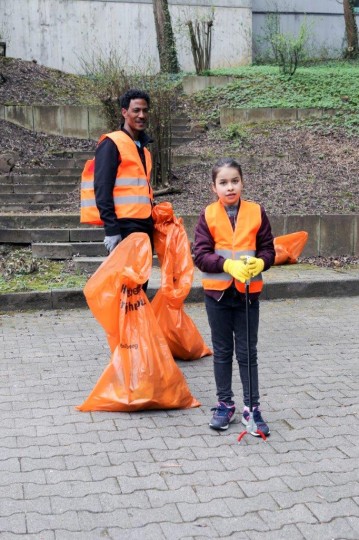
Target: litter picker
pixel 251 427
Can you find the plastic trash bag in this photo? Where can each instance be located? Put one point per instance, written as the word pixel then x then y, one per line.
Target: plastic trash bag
pixel 177 270
pixel 289 246
pixel 142 373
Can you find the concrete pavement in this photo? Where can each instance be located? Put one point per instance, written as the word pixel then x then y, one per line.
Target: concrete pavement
pixel 68 475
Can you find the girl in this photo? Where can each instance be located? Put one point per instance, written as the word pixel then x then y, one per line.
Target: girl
pixel 233 243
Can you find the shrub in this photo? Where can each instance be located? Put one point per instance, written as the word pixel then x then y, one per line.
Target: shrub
pixel 113 78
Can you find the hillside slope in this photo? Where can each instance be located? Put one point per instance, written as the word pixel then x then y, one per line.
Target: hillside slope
pixel 289 168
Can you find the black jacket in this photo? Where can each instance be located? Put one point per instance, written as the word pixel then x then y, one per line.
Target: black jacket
pixel 107 159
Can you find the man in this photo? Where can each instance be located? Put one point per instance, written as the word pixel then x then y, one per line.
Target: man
pixel 123 166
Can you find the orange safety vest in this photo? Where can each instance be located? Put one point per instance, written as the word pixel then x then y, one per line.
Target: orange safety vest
pixel 232 244
pixel 132 192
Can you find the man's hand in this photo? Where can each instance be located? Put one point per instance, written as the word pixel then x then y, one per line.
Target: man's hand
pixel 112 241
pixel 238 269
pixel 255 266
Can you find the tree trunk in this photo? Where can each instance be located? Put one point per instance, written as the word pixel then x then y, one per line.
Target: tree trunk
pixel 200 34
pixel 165 38
pixel 351 30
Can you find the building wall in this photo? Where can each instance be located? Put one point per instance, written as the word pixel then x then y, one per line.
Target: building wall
pixel 66 34
pixel 324 18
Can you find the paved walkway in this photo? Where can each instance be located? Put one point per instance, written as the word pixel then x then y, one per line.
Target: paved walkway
pixel 67 475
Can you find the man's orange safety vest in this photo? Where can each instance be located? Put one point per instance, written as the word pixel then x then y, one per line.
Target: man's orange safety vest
pixel 232 244
pixel 132 193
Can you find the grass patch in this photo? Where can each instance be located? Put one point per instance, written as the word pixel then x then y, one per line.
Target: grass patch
pixel 20 272
pixel 332 85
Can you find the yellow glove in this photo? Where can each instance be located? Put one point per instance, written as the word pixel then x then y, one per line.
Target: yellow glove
pixel 255 266
pixel 238 269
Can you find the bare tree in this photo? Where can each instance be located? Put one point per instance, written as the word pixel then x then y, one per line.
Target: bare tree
pixel 200 33
pixel 351 30
pixel 165 38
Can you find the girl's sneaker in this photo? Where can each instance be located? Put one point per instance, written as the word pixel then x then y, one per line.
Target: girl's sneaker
pixel 223 415
pixel 257 417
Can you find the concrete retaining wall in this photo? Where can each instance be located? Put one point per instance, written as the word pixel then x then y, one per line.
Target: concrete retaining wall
pixel 328 235
pixel 194 83
pixel 65 120
pixel 88 122
pixel 267 114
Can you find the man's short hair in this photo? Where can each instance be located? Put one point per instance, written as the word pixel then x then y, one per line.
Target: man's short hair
pixel 133 93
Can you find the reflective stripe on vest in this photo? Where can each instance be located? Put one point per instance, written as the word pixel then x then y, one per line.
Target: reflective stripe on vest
pixel 233 244
pixel 132 193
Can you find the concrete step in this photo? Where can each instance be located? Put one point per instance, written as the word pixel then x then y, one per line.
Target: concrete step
pixel 74 175
pixel 30 198
pixel 181 128
pixel 39 207
pixel 28 236
pixel 38 188
pixel 74 154
pixel 6 188
pixel 180 122
pixel 89 265
pixel 67 250
pixel 178 141
pixel 179 117
pixel 71 220
pixel 50 171
pixel 27 179
pixel 40 220
pixel 66 163
pixel 185 159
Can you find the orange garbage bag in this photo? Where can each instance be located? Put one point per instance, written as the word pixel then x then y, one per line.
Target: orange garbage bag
pixel 142 373
pixel 289 246
pixel 177 270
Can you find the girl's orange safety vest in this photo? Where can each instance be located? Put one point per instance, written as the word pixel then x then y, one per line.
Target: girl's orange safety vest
pixel 132 193
pixel 232 244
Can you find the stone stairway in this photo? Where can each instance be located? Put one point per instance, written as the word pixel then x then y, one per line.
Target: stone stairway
pixel 36 208
pixel 181 133
pixel 38 190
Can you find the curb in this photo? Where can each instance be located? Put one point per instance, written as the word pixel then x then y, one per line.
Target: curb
pixel 280 290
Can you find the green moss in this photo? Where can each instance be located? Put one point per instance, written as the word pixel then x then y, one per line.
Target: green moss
pixel 20 272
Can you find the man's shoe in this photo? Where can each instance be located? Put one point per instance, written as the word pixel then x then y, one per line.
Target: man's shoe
pixel 223 415
pixel 257 417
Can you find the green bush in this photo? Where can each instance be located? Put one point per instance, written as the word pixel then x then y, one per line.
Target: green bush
pixel 235 132
pixel 285 50
pixel 290 50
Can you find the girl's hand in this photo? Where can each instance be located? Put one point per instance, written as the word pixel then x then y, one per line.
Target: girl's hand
pixel 238 269
pixel 255 266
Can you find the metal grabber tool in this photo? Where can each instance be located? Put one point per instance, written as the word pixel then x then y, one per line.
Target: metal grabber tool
pixel 251 427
